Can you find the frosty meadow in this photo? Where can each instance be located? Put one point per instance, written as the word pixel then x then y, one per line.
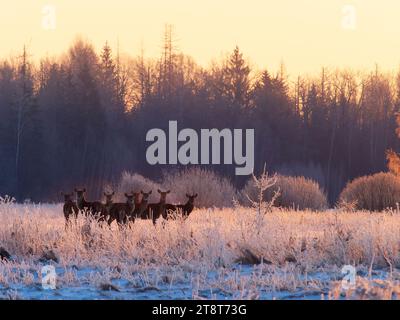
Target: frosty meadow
pixel 188 152
pixel 229 253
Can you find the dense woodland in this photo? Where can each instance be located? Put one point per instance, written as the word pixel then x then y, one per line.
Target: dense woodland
pixel 82 118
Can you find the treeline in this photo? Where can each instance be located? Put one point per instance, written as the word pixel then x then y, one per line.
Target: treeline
pixel 82 118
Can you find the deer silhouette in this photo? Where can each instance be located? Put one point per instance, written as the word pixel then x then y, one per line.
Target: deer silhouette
pixel 156 210
pixel 96 208
pixel 122 212
pixel 187 208
pixel 70 208
pixel 137 200
pixel 142 206
pixel 109 201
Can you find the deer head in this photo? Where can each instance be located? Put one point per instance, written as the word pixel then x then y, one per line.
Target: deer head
pixel 67 197
pixel 80 192
pixel 145 195
pixel 129 198
pixel 163 195
pixel 109 197
pixel 191 197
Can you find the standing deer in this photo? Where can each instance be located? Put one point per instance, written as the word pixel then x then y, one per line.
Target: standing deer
pixel 155 210
pixel 70 208
pixel 142 206
pixel 96 208
pixel 137 202
pixel 187 208
pixel 122 211
pixel 109 201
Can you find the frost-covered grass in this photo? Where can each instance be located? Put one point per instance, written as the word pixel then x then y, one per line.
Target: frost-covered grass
pixel 221 253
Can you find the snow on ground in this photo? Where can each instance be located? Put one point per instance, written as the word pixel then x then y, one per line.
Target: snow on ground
pixel 85 287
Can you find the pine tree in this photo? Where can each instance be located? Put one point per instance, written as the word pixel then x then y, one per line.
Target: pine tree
pixel 108 84
pixel 24 108
pixel 237 78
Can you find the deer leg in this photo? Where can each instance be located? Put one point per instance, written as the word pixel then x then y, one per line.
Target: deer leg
pixel 66 223
pixel 121 218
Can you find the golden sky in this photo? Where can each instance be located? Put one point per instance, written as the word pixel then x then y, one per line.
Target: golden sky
pixel 305 34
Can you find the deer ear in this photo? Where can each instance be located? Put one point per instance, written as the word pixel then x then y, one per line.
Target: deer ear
pixel 158 190
pixel 196 195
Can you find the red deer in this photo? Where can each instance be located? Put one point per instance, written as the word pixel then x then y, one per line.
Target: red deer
pixel 96 208
pixel 109 201
pixel 122 211
pixel 187 208
pixel 137 201
pixel 142 206
pixel 70 208
pixel 156 210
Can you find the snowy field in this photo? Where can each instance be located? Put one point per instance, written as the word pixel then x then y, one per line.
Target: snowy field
pixel 215 254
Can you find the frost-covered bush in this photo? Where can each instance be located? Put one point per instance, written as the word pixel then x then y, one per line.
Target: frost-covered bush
pixel 6 199
pixel 212 189
pixel 295 192
pixel 374 192
pixel 135 182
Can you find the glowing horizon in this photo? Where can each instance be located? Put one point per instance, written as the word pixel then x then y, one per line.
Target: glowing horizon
pixel 306 35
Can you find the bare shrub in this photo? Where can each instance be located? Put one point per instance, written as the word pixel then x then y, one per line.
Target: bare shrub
pixel 212 189
pixel 135 182
pixel 294 192
pixel 263 183
pixel 374 192
pixel 7 200
pixel 307 170
pixel 343 205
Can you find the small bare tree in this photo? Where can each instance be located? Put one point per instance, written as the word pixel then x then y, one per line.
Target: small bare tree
pixel 263 183
pixel 347 206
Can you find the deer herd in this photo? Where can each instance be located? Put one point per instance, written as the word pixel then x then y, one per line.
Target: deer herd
pixel 136 206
